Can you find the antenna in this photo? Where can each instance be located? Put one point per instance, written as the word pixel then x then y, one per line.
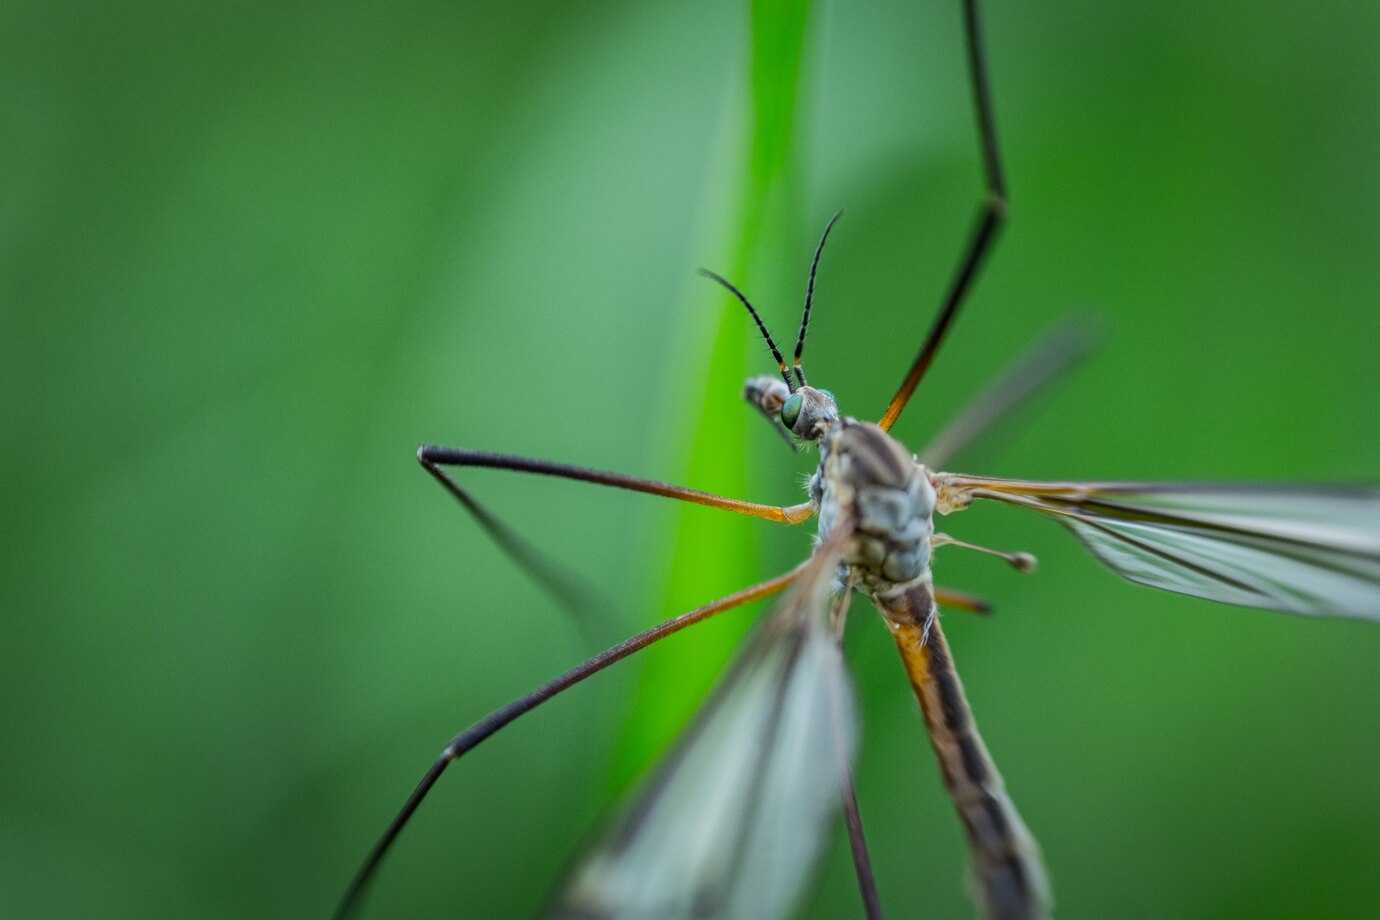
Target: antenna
pixel 775 352
pixel 809 298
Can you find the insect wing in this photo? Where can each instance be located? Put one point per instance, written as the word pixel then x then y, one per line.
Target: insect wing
pixel 1309 551
pixel 731 823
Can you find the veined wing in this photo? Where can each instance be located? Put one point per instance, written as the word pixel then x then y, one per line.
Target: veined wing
pixel 731 823
pixel 1310 550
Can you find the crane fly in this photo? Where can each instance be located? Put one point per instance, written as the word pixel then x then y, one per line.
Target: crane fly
pixel 730 824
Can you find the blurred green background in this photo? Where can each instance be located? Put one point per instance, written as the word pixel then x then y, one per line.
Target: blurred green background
pixel 252 254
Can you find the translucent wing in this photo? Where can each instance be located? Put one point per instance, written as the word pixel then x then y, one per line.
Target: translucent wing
pixel 731 823
pixel 1313 551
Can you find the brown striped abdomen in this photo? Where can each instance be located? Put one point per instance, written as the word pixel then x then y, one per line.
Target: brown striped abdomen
pixel 1006 861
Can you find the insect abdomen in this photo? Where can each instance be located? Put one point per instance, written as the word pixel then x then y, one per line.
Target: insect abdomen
pixel 1006 861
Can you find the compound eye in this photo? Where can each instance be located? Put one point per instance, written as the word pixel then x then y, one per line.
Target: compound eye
pixel 790 411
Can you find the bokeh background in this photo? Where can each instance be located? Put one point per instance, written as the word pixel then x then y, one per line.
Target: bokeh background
pixel 252 254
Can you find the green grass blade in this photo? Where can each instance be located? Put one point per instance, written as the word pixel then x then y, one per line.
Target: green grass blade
pixel 709 548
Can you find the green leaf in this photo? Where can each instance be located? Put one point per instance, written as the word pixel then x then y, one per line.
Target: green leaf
pixel 707 547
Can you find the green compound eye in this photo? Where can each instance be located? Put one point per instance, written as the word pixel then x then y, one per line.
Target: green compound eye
pixel 791 410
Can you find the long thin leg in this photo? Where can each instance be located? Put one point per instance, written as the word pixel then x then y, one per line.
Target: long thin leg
pixel 430 455
pixel 1053 356
pixel 857 842
pixel 570 591
pixel 852 817
pixel 497 719
pixel 990 217
pixel 960 600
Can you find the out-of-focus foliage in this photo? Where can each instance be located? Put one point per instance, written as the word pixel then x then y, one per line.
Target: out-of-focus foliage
pixel 252 254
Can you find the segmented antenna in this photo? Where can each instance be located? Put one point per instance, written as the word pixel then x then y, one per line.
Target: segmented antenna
pixel 761 326
pixel 809 297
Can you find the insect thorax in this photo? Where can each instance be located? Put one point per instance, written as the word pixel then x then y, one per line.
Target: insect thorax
pixel 869 477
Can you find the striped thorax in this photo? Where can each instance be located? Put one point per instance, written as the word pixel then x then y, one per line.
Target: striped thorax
pixel 869 477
